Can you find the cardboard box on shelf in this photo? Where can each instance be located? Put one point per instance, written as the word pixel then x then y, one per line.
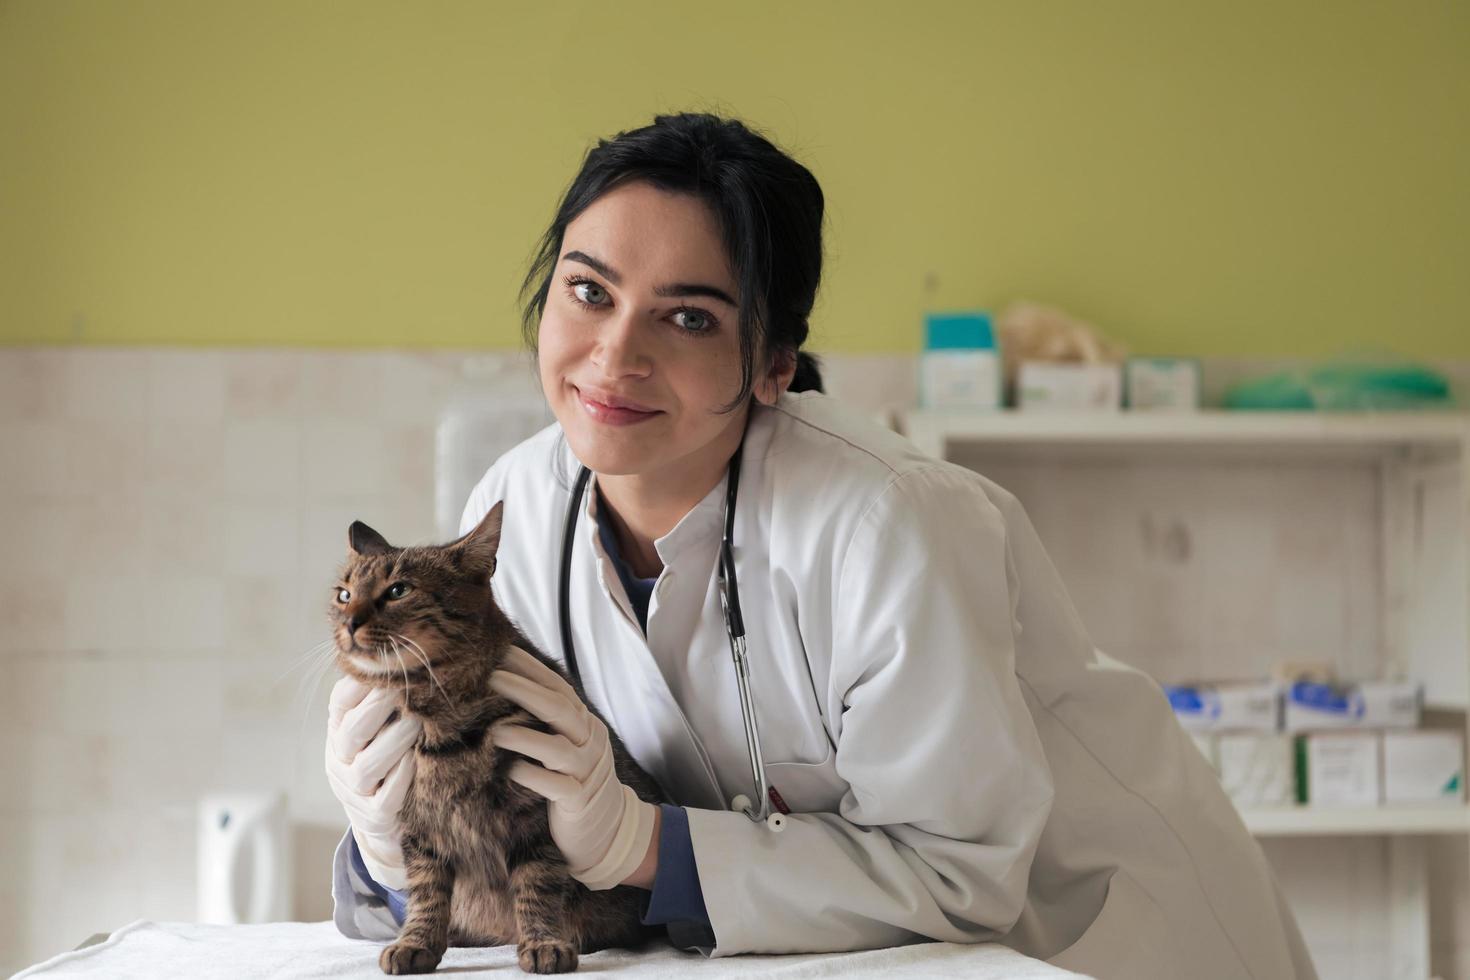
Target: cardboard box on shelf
pixel 1256 768
pixel 1423 767
pixel 1338 768
pixel 1254 707
pixel 1369 704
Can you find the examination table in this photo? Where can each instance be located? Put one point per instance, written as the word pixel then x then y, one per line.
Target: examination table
pixel 281 950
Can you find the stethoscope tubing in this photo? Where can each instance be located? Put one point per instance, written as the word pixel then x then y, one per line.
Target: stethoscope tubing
pixel 758 810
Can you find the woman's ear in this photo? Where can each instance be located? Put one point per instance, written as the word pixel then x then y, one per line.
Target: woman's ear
pixel 777 378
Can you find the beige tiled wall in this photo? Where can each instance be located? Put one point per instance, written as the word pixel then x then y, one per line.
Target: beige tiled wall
pixel 170 522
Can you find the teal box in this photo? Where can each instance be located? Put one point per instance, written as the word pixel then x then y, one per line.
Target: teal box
pixel 958 331
pixel 960 367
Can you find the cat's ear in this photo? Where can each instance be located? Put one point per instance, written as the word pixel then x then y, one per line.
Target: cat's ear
pixel 363 540
pixel 478 548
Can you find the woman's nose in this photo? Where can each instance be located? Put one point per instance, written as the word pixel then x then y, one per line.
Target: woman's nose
pixel 621 347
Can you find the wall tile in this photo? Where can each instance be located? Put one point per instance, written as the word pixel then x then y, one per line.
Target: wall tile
pixel 106 385
pixel 164 862
pixel 159 767
pixel 68 773
pixel 262 460
pixel 186 534
pixel 32 383
pixel 106 455
pixel 35 616
pixel 185 456
pixel 343 386
pixel 16 901
pixel 185 613
pixel 261 538
pixel 104 611
pixel 187 384
pixel 344 457
pixel 78 897
pixel 34 459
pixel 263 384
pixel 258 611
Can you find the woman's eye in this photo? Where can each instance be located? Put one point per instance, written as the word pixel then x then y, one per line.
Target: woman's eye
pixel 693 321
pixel 590 293
pixel 398 590
pixel 343 595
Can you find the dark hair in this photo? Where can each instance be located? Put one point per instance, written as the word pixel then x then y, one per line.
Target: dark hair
pixel 769 208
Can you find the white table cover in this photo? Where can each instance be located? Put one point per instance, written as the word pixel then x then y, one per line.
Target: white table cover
pixel 279 950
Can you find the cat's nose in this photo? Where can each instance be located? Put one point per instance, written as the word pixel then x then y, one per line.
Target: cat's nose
pixel 354 622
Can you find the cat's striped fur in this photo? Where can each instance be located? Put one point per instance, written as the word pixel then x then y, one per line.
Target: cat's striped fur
pixel 482 867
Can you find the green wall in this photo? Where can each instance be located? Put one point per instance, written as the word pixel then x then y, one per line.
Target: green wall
pixel 1250 178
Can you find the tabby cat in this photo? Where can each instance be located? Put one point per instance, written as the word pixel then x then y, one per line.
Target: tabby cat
pixel 482 867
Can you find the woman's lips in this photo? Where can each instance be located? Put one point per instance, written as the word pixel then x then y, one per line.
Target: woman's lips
pixel 610 414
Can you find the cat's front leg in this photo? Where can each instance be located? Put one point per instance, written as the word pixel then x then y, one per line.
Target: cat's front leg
pixel 425 933
pixel 541 889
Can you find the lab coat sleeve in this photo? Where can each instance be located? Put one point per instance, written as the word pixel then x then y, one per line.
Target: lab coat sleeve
pixel 948 787
pixel 357 909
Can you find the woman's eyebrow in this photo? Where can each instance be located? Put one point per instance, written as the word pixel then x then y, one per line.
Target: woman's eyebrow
pixel 676 289
pixel 695 289
pixel 595 265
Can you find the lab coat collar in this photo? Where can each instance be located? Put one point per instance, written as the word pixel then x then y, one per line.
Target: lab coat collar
pixel 695 531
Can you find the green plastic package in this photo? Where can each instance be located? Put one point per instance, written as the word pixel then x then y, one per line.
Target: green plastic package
pixel 1345 386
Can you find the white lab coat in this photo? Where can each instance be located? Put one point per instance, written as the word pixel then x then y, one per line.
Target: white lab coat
pixel 961 763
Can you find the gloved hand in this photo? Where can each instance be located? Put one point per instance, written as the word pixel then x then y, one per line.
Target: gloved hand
pixel 601 826
pixel 369 767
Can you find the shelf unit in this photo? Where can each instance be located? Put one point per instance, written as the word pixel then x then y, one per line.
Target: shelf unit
pixel 1422 464
pixel 1304 821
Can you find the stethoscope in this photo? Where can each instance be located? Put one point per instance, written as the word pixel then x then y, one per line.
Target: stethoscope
pixel 734 628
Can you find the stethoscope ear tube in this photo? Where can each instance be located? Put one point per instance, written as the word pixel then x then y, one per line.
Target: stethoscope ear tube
pixel 733 620
pixel 569 652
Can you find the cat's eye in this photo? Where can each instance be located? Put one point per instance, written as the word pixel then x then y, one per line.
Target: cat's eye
pixel 399 589
pixel 343 595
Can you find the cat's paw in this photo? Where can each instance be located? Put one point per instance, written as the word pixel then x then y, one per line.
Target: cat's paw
pixel 547 956
pixel 403 958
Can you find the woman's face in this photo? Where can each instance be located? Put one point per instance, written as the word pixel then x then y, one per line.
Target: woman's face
pixel 639 342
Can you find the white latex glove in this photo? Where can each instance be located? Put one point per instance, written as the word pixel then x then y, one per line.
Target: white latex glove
pixel 369 767
pixel 601 826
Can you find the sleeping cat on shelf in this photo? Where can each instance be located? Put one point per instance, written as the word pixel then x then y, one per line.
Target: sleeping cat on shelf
pixel 482 867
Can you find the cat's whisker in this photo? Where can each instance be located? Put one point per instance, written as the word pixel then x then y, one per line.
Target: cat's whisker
pixel 307 659
pixel 423 658
pixel 316 672
pixel 403 665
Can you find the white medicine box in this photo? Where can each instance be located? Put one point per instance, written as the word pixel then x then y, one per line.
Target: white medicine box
pixel 1370 704
pixel 1048 387
pixel 1244 706
pixel 1162 384
pixel 1338 768
pixel 1256 768
pixel 1423 767
pixel 960 367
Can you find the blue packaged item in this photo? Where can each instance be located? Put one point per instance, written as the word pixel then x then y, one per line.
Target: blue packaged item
pixel 1372 704
pixel 1241 706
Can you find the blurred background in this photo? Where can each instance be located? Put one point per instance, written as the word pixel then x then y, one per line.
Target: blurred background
pixel 258 278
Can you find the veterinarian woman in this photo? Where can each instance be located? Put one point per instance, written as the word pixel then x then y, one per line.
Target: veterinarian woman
pixel 958 760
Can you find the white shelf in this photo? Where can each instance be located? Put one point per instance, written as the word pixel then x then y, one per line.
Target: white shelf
pixel 1369 821
pixel 1393 433
pixel 1419 463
